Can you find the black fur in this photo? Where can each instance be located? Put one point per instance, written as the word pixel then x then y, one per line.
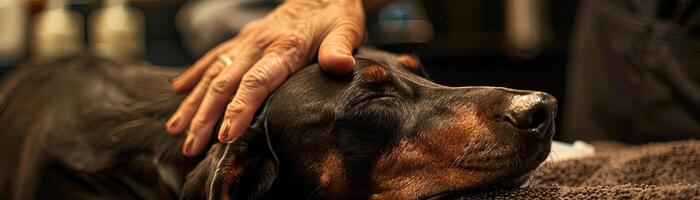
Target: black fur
pixel 85 127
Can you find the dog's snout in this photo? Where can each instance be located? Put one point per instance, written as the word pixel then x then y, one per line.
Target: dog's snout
pixel 531 110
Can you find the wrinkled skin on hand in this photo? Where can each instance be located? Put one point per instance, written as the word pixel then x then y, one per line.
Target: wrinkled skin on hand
pixel 262 56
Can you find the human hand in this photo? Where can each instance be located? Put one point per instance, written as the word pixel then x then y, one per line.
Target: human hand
pixel 258 60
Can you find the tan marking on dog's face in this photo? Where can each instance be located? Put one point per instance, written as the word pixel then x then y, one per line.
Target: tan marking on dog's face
pixel 375 74
pixel 428 160
pixel 409 61
pixel 231 175
pixel 332 176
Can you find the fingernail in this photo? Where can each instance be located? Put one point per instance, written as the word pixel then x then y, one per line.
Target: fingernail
pixel 173 123
pixel 189 143
pixel 223 132
pixel 175 83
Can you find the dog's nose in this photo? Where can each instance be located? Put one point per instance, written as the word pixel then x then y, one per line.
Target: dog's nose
pixel 531 110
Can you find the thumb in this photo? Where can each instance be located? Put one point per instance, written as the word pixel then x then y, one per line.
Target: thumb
pixel 335 52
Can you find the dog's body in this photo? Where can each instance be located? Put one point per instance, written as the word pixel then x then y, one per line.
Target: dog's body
pixel 85 127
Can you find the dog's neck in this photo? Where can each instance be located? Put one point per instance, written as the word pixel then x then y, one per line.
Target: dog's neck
pixel 171 165
pixel 138 134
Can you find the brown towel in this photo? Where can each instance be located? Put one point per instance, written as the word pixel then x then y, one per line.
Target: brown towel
pixel 654 171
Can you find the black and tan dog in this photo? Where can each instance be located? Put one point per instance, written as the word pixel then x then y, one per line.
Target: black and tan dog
pixel 86 128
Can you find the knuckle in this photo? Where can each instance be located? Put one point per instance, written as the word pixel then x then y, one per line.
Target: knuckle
pixel 236 107
pixel 260 42
pixel 283 57
pixel 209 75
pixel 255 79
pixel 197 123
pixel 289 43
pixel 295 38
pixel 287 64
pixel 220 87
pixel 189 106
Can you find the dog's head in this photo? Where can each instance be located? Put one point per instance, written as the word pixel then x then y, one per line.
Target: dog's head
pixel 383 132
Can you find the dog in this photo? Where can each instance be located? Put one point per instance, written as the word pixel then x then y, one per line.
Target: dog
pixel 85 127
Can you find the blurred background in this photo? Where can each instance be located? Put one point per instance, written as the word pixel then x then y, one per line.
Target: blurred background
pixel 522 44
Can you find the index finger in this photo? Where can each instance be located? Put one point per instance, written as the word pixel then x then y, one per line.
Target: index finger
pixel 266 75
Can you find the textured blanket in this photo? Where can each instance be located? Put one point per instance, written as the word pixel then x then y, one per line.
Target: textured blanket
pixel 654 171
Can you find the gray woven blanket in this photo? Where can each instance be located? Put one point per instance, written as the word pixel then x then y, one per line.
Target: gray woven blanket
pixel 654 171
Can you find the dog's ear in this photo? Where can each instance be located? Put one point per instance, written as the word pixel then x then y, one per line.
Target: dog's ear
pixel 412 62
pixel 243 169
